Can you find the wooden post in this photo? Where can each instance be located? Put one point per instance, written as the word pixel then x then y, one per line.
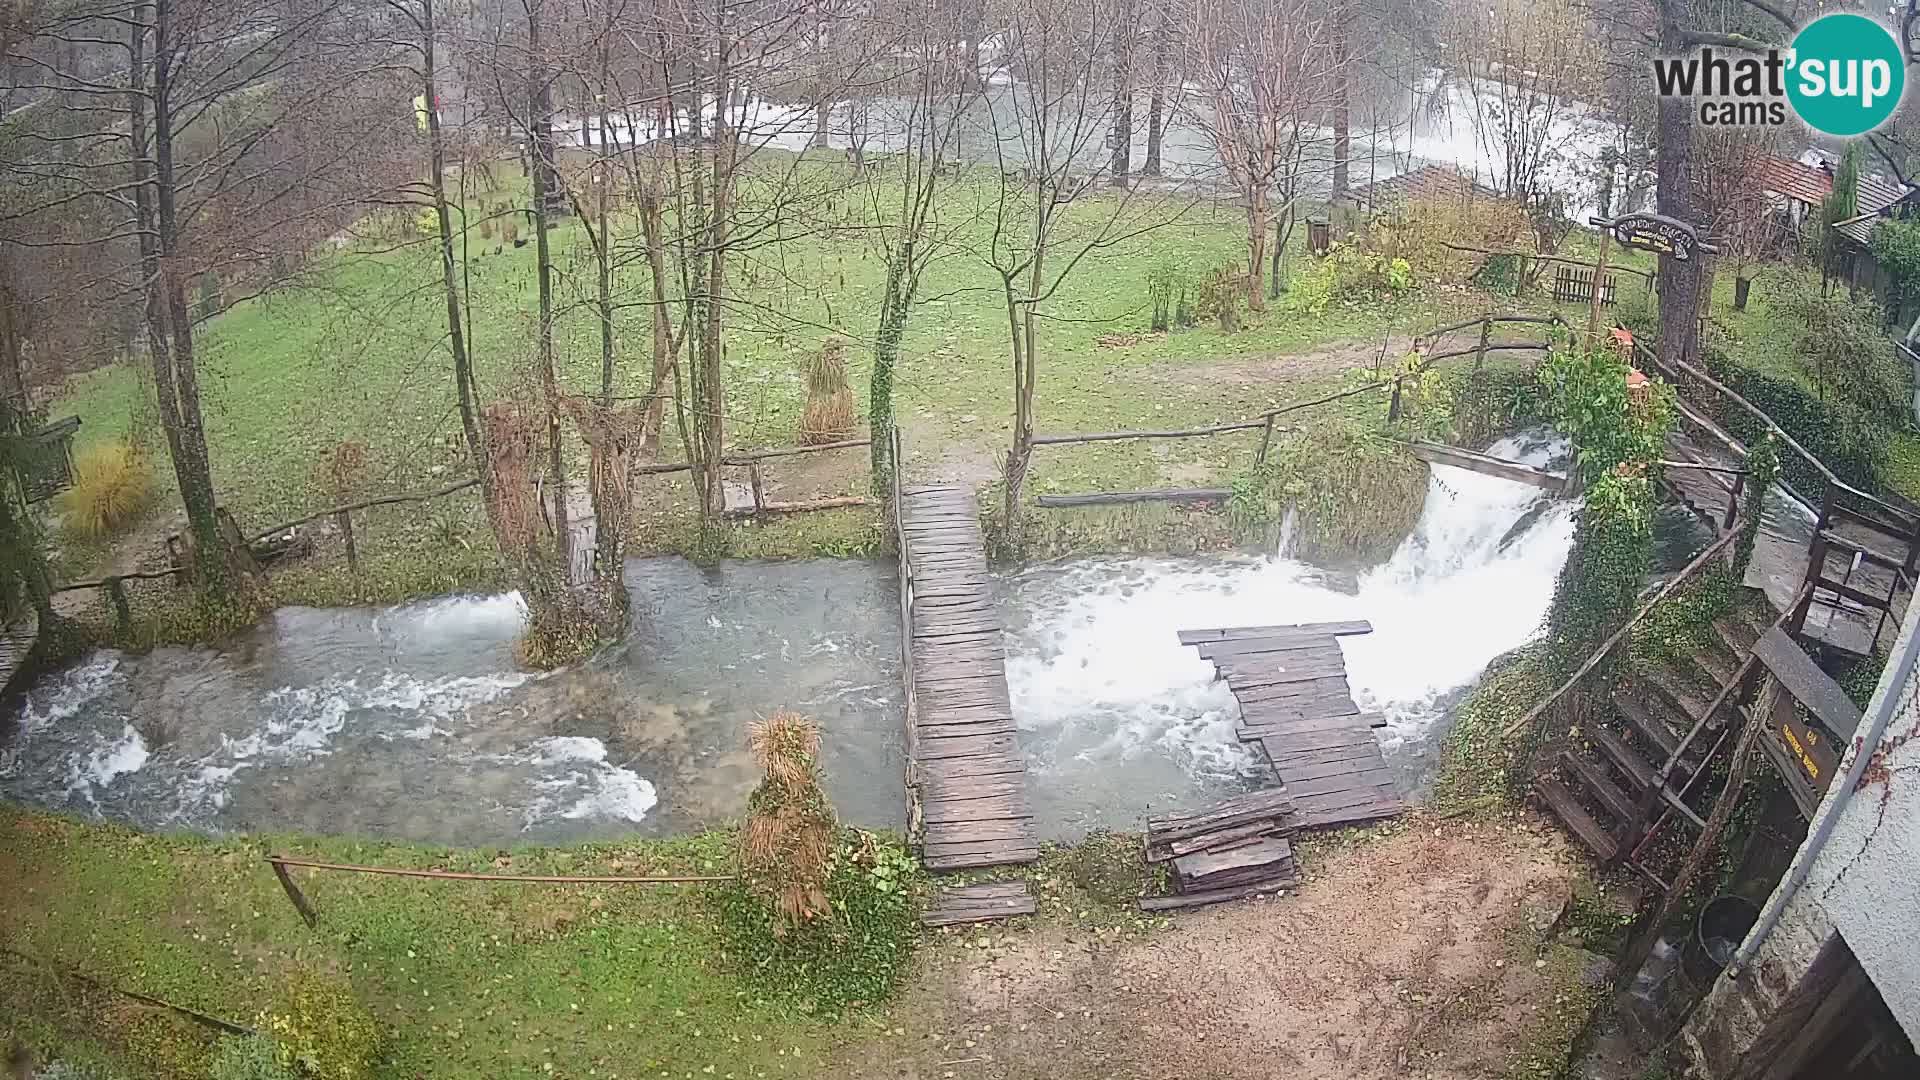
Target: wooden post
pixel 1393 407
pixel 1733 501
pixel 1593 301
pixel 1486 334
pixel 122 611
pixel 293 893
pixel 753 474
pixel 1266 441
pixel 344 522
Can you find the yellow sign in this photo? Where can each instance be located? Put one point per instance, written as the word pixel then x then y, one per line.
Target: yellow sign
pixel 420 111
pixel 1811 766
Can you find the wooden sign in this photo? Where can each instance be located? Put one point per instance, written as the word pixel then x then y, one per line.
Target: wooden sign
pixel 1656 233
pixel 1807 755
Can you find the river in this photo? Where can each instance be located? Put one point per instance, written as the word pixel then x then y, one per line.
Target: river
pixel 413 722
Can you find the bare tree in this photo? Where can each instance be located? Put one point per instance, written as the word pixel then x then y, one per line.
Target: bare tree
pixel 904 195
pixel 1524 66
pixel 1263 70
pixel 1044 220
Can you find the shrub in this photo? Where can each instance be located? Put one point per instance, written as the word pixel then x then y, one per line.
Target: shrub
pixel 1219 297
pixel 112 484
pixel 853 956
pixel 1357 496
pixel 1835 431
pixel 486 228
pixel 1422 232
pixel 321 1031
pixel 829 413
pixel 510 231
pixel 1843 350
pixel 249 1057
pixel 1164 284
pixel 1350 274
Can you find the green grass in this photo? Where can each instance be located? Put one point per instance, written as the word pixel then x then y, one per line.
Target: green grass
pixel 357 352
pixel 470 979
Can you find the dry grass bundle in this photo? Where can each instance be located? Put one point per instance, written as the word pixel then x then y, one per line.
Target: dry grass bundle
pixel 786 848
pixel 611 434
pixel 112 485
pixel 829 414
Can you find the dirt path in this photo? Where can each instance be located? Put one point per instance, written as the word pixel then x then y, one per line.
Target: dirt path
pixel 1408 956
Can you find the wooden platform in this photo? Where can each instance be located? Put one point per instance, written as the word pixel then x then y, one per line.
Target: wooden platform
pixel 1229 851
pixel 1291 683
pixel 979 903
pixel 966 779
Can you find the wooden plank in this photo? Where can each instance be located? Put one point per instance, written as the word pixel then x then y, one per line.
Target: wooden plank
pixel 1280 746
pixel 1241 648
pixel 1800 677
pixel 1006 857
pixel 984 808
pixel 964 768
pixel 1259 851
pixel 1004 784
pixel 1436 454
pixel 1602 843
pixel 1372 778
pixel 954 832
pixel 1214 896
pixel 1172 849
pixel 1337 629
pixel 967 746
pixel 946 913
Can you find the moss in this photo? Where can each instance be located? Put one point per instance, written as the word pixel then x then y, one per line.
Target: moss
pixel 1476 756
pixel 1566 1008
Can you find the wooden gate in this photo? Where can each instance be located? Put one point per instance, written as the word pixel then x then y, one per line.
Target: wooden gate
pixel 1574 285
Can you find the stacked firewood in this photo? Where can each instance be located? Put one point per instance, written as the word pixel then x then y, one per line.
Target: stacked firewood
pixel 1235 849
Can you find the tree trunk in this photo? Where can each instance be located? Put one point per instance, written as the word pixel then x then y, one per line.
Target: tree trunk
pixel 1342 108
pixel 886 355
pixel 1157 101
pixel 463 381
pixel 218 568
pixel 540 138
pixel 652 230
pixel 1679 281
pixel 602 253
pixel 1121 136
pixel 1257 215
pixel 709 370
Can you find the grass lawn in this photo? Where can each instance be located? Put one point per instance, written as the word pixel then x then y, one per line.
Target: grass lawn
pixel 356 352
pixel 492 980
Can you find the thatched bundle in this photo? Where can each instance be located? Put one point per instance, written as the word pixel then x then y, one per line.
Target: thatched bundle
pixel 611 433
pixel 829 414
pixel 787 844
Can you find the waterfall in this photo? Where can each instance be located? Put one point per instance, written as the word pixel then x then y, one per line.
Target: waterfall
pixel 1125 717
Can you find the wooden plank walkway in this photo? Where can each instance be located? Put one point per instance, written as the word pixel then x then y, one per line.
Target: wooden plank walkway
pixel 966 778
pixel 1291 682
pixel 16 642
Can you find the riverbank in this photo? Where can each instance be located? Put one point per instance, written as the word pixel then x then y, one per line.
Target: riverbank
pixel 1432 936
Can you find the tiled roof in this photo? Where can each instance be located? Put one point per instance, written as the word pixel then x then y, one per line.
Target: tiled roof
pixel 1811 185
pixel 1425 182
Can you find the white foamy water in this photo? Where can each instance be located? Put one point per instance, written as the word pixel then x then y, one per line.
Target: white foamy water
pixel 1118 717
pixel 586 786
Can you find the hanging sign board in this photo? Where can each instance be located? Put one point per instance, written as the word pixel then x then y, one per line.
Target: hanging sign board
pixel 1656 233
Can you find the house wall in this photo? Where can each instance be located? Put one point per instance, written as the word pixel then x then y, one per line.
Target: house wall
pixel 1864 883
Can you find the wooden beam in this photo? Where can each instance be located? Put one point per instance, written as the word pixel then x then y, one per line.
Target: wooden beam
pixel 1111 498
pixel 1436 454
pixel 1809 685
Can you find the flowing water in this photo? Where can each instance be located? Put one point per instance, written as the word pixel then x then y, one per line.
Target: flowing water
pixel 1118 719
pixel 413 722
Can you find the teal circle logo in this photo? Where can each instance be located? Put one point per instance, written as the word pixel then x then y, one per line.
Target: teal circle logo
pixel 1846 75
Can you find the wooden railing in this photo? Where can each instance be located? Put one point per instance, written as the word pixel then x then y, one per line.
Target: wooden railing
pixel 114 585
pixel 1265 421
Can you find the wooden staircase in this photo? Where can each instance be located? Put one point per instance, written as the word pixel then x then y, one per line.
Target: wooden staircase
pixel 1608 789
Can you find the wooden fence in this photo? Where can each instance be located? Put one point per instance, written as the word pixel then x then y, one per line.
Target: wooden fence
pixel 1266 422
pixel 311 916
pixel 114 585
pixel 1574 285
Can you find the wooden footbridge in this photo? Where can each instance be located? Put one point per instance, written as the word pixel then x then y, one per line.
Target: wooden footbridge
pixel 966 780
pixel 1296 705
pixel 16 644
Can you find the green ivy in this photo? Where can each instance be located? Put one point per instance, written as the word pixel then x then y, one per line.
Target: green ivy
pixel 1837 432
pixel 1896 247
pixel 1584 391
pixel 1763 467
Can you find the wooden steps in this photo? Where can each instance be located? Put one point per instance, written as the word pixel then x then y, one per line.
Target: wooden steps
pixel 979 903
pixel 968 777
pixel 1592 775
pixel 1640 717
pixel 1568 809
pixel 1639 772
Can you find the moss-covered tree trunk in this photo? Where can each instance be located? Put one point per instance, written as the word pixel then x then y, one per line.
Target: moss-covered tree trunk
pixel 894 307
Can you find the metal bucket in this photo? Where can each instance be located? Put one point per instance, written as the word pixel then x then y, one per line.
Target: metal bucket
pixel 1722 925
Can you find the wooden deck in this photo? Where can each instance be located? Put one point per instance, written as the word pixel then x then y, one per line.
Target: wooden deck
pixel 16 642
pixel 966 780
pixel 1291 683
